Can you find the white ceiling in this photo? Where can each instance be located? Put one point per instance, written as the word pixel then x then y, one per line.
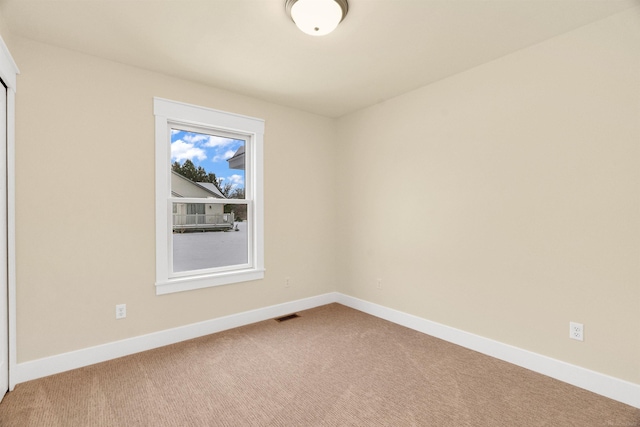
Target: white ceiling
pixel 382 49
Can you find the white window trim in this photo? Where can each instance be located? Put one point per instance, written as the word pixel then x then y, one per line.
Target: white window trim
pixel 165 112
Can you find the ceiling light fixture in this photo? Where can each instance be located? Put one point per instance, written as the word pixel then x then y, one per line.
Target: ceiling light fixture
pixel 317 17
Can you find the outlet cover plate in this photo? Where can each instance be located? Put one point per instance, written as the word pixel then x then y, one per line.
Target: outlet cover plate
pixel 576 331
pixel 121 311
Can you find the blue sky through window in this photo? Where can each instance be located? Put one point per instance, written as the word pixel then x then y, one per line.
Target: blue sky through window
pixel 209 151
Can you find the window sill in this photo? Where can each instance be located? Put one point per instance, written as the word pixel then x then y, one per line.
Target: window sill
pixel 181 284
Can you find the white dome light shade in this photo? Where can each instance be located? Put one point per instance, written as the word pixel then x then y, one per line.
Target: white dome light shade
pixel 317 17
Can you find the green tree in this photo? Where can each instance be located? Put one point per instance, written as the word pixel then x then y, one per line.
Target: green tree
pixel 187 169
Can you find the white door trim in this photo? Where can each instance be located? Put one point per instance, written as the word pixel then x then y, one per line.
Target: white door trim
pixel 8 73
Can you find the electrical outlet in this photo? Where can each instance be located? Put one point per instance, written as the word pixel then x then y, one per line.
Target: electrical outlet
pixel 379 284
pixel 576 331
pixel 121 311
pixel 286 282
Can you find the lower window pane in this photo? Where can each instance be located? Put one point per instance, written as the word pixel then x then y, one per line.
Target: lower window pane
pixel 209 236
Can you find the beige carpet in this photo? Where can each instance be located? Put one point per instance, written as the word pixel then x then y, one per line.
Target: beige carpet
pixel 333 366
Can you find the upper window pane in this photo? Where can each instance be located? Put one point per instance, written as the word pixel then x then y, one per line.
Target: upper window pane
pixel 212 166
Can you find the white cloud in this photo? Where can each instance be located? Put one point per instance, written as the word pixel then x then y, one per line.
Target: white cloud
pixel 224 156
pixel 217 141
pixel 181 150
pixel 236 180
pixel 196 138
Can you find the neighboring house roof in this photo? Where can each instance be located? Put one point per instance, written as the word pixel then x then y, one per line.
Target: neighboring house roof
pixel 211 187
pixel 184 187
pixel 237 160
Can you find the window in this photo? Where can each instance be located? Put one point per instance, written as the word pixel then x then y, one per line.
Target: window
pixel 209 208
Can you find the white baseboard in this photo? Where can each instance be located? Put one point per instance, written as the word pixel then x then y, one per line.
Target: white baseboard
pixel 39 368
pixel 613 388
pixel 604 385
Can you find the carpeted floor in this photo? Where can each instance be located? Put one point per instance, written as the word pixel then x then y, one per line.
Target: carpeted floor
pixel 333 366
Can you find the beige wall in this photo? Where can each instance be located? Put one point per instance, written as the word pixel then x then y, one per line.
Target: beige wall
pixel 85 149
pixel 504 201
pixel 3 26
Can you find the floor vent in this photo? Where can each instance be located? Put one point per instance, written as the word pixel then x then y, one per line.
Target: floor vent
pixel 287 317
